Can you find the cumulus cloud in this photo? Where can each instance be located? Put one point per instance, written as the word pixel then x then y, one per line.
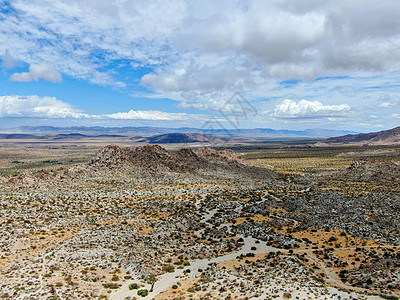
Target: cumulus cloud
pixel 261 42
pixel 153 115
pixel 209 77
pixel 284 39
pixel 38 71
pixel 37 107
pixel 304 109
pixel 52 108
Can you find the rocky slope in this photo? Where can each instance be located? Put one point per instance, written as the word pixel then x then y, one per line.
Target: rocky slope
pixel 148 163
pixel 386 136
pixel 153 159
pixel 370 170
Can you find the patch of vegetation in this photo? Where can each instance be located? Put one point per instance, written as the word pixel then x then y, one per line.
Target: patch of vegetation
pixel 168 268
pixel 111 285
pixel 133 286
pixel 142 293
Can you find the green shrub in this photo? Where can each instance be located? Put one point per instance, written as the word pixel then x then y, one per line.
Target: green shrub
pixel 133 286
pixel 111 285
pixel 115 278
pixel 168 268
pixel 390 297
pixel 143 293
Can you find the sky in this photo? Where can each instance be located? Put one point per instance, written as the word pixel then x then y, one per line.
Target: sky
pixel 278 64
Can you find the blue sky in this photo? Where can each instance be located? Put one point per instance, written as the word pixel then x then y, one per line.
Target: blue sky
pixel 300 64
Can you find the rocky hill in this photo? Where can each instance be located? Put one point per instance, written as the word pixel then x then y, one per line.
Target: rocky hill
pixel 146 164
pixel 386 136
pixel 153 159
pixel 373 171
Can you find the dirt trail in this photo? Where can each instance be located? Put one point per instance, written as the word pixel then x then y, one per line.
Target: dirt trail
pixel 167 280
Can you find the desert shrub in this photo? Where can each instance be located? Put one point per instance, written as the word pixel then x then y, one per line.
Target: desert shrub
pixel 133 286
pixel 115 278
pixel 111 285
pixel 143 293
pixel 332 239
pixel 168 268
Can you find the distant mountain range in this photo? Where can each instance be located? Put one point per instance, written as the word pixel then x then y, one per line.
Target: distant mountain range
pixel 384 136
pixel 150 131
pixel 162 135
pixel 172 138
pixel 75 136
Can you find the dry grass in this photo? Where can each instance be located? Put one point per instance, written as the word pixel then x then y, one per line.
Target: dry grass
pixel 304 165
pixel 330 239
pixel 300 159
pixel 182 290
pixel 256 218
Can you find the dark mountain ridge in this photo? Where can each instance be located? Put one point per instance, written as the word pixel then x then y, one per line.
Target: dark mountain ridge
pixel 61 136
pixel 384 136
pixel 177 137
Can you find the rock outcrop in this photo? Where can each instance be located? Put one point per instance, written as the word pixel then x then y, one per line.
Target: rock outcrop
pixel 374 171
pixel 149 162
pixel 154 159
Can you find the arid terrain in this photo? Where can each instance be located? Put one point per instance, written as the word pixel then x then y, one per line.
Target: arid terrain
pixel 199 150
pixel 300 220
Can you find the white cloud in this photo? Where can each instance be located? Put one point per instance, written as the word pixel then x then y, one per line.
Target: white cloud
pixel 38 71
pixel 153 115
pixel 9 61
pixel 82 38
pixel 289 109
pixel 388 101
pixel 52 108
pixel 37 107
pixel 387 105
pixel 207 73
pixel 259 42
pixel 283 39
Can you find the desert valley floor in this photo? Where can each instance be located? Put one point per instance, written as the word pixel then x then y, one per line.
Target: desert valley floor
pixel 283 220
